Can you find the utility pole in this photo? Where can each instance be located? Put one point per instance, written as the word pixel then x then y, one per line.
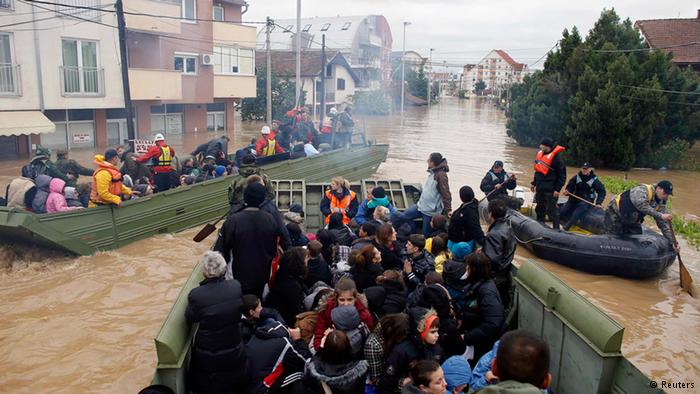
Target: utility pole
pixel 430 73
pixel 268 84
pixel 298 49
pixel 403 66
pixel 323 81
pixel 121 26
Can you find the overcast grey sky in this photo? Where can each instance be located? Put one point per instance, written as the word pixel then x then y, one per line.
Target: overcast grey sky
pixel 463 31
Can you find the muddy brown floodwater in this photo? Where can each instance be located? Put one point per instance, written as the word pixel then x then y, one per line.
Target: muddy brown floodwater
pixel 87 324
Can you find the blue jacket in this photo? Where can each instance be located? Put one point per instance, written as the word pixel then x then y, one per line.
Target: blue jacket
pixel 484 365
pixel 363 214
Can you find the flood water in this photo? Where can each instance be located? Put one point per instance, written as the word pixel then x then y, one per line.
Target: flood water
pixel 87 324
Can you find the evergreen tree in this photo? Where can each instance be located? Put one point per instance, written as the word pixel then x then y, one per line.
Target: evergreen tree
pixel 283 91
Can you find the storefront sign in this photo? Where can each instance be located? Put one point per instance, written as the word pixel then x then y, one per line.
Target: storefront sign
pixel 82 138
pixel 141 146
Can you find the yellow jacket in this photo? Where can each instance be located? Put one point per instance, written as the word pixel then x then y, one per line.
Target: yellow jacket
pixel 107 187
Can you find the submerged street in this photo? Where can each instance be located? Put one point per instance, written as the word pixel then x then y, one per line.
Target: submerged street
pixel 87 324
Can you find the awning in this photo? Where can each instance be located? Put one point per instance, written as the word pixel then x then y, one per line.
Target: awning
pixel 24 123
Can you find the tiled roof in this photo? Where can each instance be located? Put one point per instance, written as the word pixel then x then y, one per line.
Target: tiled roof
pixel 516 66
pixel 674 36
pixel 284 62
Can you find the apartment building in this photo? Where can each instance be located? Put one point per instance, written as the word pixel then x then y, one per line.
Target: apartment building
pixel 60 76
pixel 414 60
pixel 365 42
pixel 497 69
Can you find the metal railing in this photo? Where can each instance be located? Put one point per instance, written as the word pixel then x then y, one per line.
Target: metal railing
pixel 82 81
pixel 66 8
pixel 10 80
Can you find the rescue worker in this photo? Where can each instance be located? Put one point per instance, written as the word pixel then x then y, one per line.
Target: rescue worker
pixel 497 182
pixel 625 213
pixel 550 175
pixel 44 166
pixel 70 166
pixel 238 183
pixel 587 186
pixel 346 126
pixel 327 127
pixel 267 145
pixel 339 198
pixel 161 157
pixel 107 187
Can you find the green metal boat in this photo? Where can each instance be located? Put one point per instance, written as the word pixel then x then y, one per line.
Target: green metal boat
pixel 87 231
pixel 585 342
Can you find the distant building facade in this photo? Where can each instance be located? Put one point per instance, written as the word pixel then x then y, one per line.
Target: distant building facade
pixel 498 70
pixel 678 37
pixel 414 60
pixel 365 42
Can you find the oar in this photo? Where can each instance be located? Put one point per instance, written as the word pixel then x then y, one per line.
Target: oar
pixel 584 200
pixel 208 229
pixel 686 279
pixel 510 178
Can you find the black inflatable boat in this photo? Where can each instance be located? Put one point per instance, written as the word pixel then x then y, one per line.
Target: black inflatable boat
pixel 636 256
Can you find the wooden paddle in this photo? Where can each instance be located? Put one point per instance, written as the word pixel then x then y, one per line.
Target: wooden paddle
pixel 686 279
pixel 208 229
pixel 584 200
pixel 510 178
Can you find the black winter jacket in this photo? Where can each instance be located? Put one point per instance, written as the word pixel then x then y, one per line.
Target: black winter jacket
pixel 318 271
pixel 248 241
pixel 491 179
pixel 287 296
pixel 588 187
pixel 555 178
pixel 218 356
pixel 343 235
pixel 367 277
pixel 341 379
pixel 396 296
pixel 326 204
pixel 391 259
pixel 421 265
pixel 483 316
pixel 464 224
pixel 249 326
pixel 499 245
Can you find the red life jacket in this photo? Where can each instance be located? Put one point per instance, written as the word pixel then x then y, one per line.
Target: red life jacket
pixel 343 204
pixel 543 162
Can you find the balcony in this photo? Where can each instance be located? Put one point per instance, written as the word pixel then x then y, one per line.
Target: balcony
pixel 6 5
pixel 82 81
pixel 237 86
pixel 154 84
pixel 10 80
pixel 229 33
pixel 150 24
pixel 67 8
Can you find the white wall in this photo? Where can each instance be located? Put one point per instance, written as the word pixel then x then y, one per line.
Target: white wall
pixel 342 96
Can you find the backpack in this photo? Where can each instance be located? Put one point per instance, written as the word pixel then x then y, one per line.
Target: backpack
pixel 357 338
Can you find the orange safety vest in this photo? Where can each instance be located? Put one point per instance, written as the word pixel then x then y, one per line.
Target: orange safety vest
pixel 343 204
pixel 115 188
pixel 543 162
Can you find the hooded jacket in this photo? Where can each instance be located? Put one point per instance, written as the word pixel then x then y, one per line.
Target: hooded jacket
pixel 104 190
pixel 436 297
pixel 346 378
pixel 42 193
pixel 347 319
pixel 325 320
pixel 464 224
pixel 56 201
pixel 274 359
pixel 20 193
pixel 436 198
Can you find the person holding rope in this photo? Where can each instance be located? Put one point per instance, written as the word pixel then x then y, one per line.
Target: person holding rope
pixel 582 188
pixel 497 182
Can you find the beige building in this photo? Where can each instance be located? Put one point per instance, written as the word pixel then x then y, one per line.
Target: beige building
pixel 63 70
pixel 497 69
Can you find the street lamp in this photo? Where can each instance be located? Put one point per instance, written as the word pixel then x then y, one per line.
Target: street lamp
pixel 403 66
pixel 430 73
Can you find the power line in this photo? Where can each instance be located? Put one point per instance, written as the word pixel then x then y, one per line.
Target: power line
pixel 545 55
pixel 659 90
pixel 670 102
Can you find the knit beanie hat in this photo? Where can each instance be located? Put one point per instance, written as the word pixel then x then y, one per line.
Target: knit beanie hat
pixel 254 195
pixel 457 372
pixel 219 171
pixel 547 142
pixel 378 192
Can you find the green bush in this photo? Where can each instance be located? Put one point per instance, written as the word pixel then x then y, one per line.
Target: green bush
pixel 669 155
pixel 370 103
pixel 615 185
pixel 462 93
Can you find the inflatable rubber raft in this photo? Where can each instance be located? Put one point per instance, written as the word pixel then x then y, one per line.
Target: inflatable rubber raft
pixel 635 256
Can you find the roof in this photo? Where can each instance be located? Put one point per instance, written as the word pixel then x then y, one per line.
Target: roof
pixel 468 67
pixel 341 31
pixel 516 66
pixel 673 36
pixel 284 63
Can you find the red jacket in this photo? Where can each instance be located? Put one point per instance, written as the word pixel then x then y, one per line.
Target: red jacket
pixel 155 152
pixel 262 144
pixel 324 319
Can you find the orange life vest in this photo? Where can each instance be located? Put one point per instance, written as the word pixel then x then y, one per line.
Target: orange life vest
pixel 343 204
pixel 543 162
pixel 115 188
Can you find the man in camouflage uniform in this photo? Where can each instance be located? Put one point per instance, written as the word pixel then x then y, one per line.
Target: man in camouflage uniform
pixel 625 213
pixel 248 168
pixel 70 166
pixel 44 166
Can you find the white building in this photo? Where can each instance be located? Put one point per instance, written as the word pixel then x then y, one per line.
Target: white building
pixel 365 41
pixel 497 69
pixel 413 59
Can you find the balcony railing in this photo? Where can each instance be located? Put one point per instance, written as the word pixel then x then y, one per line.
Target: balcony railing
pixel 82 81
pixel 10 80
pixel 66 8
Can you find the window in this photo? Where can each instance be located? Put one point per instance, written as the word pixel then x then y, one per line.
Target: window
pixel 167 119
pixel 232 60
pixel 346 25
pixel 340 84
pixel 326 27
pixel 9 83
pixel 67 8
pixel 189 10
pixel 81 73
pixel 306 28
pixel 187 64
pixel 218 13
pixel 329 71
pixel 288 28
pixel 6 5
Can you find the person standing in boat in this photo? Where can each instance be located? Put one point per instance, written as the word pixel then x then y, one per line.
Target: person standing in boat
pixel 497 182
pixel 435 198
pixel 346 126
pixel 161 156
pixel 586 186
pixel 550 175
pixel 626 212
pixel 107 187
pixel 267 144
pixel 238 183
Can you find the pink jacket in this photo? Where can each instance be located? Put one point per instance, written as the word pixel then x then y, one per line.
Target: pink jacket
pixel 57 201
